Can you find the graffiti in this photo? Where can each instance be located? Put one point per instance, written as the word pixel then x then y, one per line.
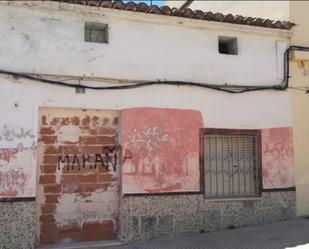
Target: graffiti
pixel 8 154
pixel 10 134
pixel 160 151
pixel 278 151
pixel 277 158
pixel 108 160
pixel 151 138
pixel 12 181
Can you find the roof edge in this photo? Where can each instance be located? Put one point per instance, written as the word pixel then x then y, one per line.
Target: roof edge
pixel 146 17
pixel 185 12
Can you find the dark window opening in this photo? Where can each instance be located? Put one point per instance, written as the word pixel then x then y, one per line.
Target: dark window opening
pixel 96 32
pixel 228 45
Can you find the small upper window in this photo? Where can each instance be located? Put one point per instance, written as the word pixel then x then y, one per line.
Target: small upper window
pixel 228 45
pixel 96 32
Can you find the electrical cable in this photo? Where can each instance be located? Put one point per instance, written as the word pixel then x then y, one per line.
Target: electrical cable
pixel 224 87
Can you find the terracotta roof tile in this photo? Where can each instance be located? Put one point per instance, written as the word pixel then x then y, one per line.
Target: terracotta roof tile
pixel 187 13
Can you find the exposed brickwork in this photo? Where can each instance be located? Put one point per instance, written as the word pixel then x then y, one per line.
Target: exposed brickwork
pixel 85 167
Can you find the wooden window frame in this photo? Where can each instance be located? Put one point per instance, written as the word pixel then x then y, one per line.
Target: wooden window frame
pixel 240 132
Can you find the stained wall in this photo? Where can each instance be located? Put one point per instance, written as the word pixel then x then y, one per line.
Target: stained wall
pixel 47 38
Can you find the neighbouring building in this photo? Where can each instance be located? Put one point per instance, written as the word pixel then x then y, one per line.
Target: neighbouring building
pixel 131 122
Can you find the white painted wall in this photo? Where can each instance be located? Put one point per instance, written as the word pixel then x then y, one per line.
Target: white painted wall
pixel 49 40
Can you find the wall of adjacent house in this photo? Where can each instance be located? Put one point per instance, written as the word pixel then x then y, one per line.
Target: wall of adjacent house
pixel 300 79
pixel 50 41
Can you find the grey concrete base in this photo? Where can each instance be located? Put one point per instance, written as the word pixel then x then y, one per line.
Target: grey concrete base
pixel 164 217
pixel 17 225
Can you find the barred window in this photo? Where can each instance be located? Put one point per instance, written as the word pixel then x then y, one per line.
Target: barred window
pixel 231 163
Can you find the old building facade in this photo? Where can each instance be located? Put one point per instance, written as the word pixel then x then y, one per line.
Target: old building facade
pixel 119 124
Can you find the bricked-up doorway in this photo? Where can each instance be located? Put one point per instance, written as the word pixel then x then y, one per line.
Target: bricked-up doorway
pixel 77 194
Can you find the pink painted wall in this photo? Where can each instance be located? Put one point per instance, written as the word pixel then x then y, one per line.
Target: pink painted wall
pixel 160 150
pixel 277 158
pixel 17 172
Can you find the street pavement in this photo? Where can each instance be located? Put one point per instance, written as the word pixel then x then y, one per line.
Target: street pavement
pixel 288 234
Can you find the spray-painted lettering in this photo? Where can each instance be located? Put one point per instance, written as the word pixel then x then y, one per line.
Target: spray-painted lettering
pixel 10 134
pixel 108 160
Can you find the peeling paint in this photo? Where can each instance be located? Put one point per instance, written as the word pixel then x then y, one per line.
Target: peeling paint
pixel 277 158
pixel 161 150
pixel 17 172
pixel 98 206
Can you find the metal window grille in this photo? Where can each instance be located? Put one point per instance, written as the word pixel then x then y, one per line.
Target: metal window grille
pixel 96 32
pixel 231 166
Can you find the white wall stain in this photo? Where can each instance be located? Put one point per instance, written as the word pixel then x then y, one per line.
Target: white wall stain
pixel 98 206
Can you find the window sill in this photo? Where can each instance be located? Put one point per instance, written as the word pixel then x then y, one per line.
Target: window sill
pixel 257 198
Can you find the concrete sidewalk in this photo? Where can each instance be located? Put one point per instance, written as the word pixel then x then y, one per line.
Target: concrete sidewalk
pixel 281 235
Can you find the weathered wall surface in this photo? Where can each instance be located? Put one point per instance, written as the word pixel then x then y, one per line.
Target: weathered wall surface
pixel 78 197
pixel 154 217
pixel 277 158
pixel 16 178
pixel 160 150
pixel 50 41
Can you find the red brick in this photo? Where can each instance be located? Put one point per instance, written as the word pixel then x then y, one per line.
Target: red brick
pixel 92 149
pixel 52 150
pixel 48 209
pixel 92 187
pixel 106 131
pixel 75 120
pixel 72 188
pixel 43 120
pixel 49 228
pixel 90 236
pixel 77 170
pixel 53 189
pixel 75 178
pixel 88 178
pixel 49 168
pixel 48 139
pixel 55 121
pixel 88 140
pixel 49 199
pixel 65 121
pixel 86 120
pixel 50 159
pixel 70 178
pixel 47 179
pixel 115 121
pixel 47 131
pixel 91 226
pixel 70 236
pixel 107 226
pixel 47 219
pixel 104 140
pixel 70 149
pixel 49 238
pixel 106 178
pixel 102 234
